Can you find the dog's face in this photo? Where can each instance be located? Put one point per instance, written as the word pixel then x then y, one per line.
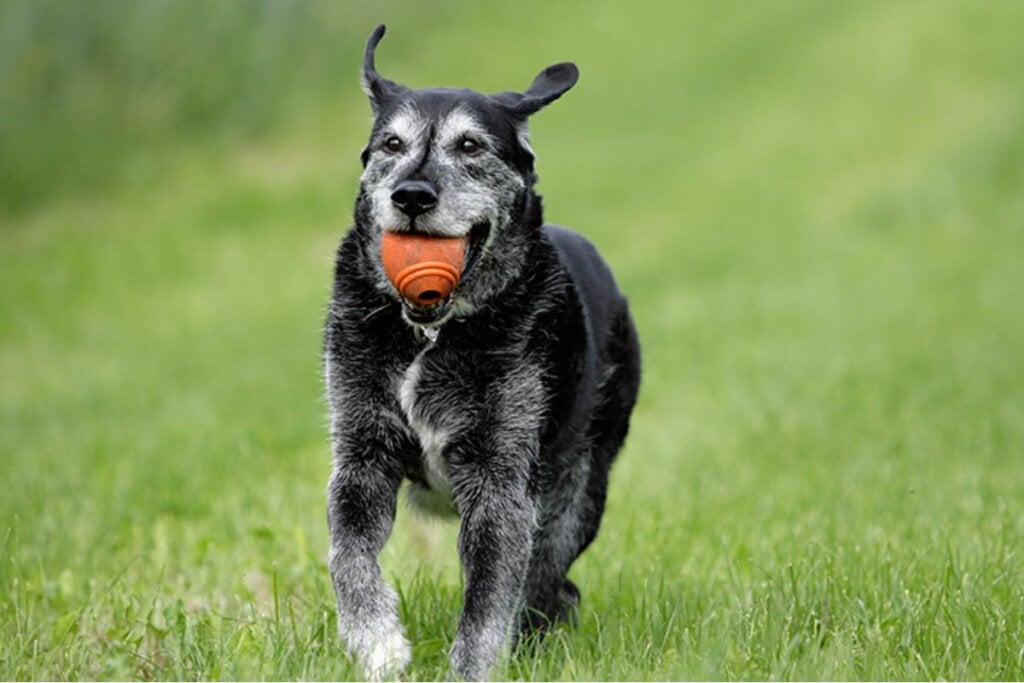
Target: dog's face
pixel 442 161
pixel 452 162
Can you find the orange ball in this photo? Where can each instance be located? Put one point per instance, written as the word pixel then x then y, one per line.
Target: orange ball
pixel 425 269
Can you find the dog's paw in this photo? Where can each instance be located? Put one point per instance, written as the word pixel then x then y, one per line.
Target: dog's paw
pixel 474 656
pixel 569 597
pixel 381 651
pixel 387 657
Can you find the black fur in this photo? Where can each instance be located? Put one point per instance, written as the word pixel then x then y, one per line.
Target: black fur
pixel 512 400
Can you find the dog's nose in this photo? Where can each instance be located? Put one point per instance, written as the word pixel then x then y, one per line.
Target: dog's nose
pixel 413 197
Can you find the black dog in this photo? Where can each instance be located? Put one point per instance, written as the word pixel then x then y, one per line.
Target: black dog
pixel 504 403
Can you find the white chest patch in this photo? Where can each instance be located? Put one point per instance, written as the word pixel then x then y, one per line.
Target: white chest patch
pixel 432 439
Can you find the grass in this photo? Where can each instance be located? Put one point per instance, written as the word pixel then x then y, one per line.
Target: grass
pixel 816 211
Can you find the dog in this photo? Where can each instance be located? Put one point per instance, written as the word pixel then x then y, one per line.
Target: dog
pixel 504 402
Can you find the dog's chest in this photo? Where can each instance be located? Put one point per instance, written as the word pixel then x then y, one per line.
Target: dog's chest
pixel 426 418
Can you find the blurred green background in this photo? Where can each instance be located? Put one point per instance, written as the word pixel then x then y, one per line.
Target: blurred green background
pixel 816 210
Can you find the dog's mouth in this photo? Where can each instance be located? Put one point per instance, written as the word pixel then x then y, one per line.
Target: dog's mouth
pixel 431 308
pixel 478 235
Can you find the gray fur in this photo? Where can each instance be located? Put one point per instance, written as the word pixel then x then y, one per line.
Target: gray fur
pixel 505 405
pixel 478 190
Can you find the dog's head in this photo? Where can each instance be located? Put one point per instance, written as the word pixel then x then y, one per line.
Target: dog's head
pixel 454 162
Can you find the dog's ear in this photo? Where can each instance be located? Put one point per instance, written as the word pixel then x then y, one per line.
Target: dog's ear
pixel 376 87
pixel 550 84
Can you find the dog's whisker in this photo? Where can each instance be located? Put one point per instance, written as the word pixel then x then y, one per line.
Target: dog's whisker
pixel 375 311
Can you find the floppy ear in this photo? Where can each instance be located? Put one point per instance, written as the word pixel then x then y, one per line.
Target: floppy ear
pixel 550 84
pixel 376 87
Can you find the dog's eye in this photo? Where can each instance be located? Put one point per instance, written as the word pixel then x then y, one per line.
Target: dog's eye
pixel 469 146
pixel 394 144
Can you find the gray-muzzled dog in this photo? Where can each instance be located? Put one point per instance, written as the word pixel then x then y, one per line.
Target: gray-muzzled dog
pixel 503 402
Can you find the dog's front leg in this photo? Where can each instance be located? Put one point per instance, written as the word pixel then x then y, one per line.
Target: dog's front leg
pixel 360 513
pixel 498 520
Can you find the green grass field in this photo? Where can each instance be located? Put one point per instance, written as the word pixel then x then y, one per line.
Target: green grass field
pixel 817 210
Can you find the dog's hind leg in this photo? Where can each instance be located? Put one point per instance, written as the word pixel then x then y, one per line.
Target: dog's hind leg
pixel 549 596
pixel 573 518
pixel 573 511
